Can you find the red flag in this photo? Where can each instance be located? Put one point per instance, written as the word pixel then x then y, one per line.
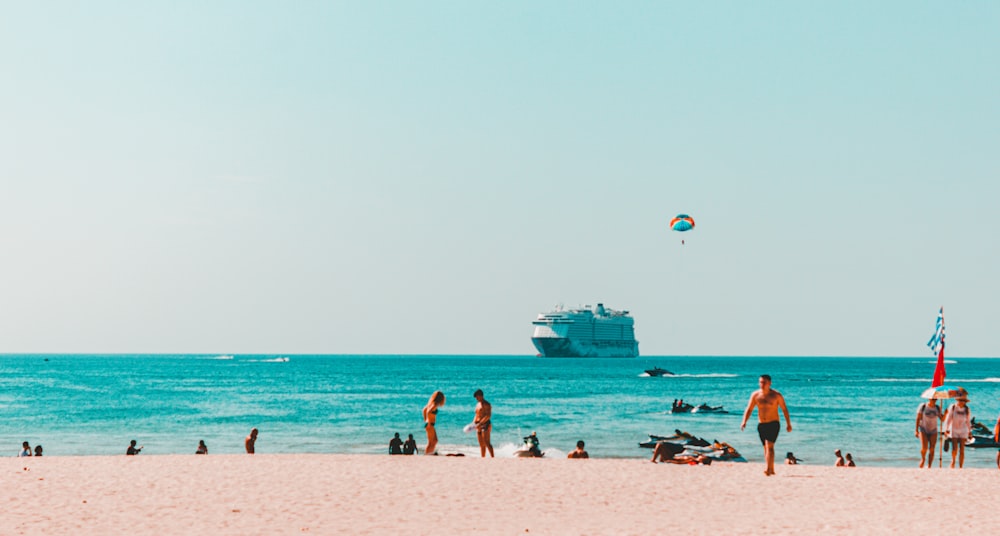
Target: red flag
pixel 939 369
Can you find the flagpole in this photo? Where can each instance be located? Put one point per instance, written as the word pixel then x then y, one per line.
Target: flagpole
pixel 939 374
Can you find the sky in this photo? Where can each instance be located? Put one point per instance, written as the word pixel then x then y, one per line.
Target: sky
pixel 426 177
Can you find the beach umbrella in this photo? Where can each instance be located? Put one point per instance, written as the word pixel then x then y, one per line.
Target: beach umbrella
pixel 944 392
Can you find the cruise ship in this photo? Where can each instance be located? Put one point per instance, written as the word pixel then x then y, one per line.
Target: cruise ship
pixel 585 332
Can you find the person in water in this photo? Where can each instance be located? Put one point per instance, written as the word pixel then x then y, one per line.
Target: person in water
pixel 396 445
pixel 430 419
pixel 958 426
pixel 202 447
pixel 928 416
pixel 532 442
pixel 410 445
pixel 132 450
pixel 484 411
pixel 840 459
pixel 767 401
pixel 579 452
pixel 250 442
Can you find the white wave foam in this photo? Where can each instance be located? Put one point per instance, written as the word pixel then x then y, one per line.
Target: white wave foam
pixel 921 380
pixel 713 375
pixel 221 357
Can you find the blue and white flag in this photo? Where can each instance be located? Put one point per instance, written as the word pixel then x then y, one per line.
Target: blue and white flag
pixel 937 340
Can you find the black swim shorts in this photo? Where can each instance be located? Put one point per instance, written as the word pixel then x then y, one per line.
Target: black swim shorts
pixel 768 431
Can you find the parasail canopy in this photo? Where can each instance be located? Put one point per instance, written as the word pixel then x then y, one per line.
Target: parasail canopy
pixel 682 222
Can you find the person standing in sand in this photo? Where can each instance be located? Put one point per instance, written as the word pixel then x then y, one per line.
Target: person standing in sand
pixel 484 410
pixel 928 417
pixel 430 419
pixel 958 426
pixel 996 439
pixel 767 401
pixel 250 441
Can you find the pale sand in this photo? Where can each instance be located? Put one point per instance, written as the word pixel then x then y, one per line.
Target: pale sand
pixel 342 494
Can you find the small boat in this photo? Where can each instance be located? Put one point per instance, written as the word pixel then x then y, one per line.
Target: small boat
pixel 657 371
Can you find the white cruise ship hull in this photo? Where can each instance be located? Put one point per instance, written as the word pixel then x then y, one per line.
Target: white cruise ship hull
pixel 583 332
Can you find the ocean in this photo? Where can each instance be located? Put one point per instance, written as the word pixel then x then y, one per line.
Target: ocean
pixel 352 404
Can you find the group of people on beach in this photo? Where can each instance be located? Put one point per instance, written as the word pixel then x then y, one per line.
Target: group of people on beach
pixel 26 450
pixel 398 446
pixel 957 428
pixel 481 423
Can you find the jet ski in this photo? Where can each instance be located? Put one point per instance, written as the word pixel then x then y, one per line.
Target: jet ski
pixel 682 408
pixel 657 372
pixel 705 408
pixel 530 448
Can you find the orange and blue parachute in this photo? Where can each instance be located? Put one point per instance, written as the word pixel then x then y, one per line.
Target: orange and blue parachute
pixel 682 222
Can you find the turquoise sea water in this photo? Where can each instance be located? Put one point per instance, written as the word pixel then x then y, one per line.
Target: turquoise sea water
pixel 94 404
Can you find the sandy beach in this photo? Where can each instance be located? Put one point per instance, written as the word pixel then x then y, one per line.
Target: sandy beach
pixel 357 494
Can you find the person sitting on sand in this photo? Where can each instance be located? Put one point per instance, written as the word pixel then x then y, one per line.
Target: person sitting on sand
pixel 25 450
pixel 410 445
pixel 38 450
pixel 840 458
pixel 666 451
pixel 396 445
pixel 790 459
pixel 202 447
pixel 579 452
pixel 251 441
pixel 132 450
pixel 850 460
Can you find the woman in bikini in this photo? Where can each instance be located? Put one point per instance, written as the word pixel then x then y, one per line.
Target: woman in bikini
pixel 430 417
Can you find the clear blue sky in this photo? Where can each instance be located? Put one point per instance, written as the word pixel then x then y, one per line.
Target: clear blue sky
pixel 426 177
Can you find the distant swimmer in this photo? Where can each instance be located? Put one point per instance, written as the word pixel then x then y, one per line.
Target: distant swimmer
pixel 767 401
pixel 250 441
pixel 484 412
pixel 579 453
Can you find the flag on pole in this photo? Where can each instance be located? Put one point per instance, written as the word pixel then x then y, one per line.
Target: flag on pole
pixel 936 344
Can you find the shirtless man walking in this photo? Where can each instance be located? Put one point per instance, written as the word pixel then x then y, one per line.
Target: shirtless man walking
pixel 482 421
pixel 767 401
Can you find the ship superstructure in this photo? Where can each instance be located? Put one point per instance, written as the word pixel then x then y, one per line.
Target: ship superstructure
pixel 585 332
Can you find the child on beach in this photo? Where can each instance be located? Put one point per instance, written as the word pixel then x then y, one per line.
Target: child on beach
pixel 25 450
